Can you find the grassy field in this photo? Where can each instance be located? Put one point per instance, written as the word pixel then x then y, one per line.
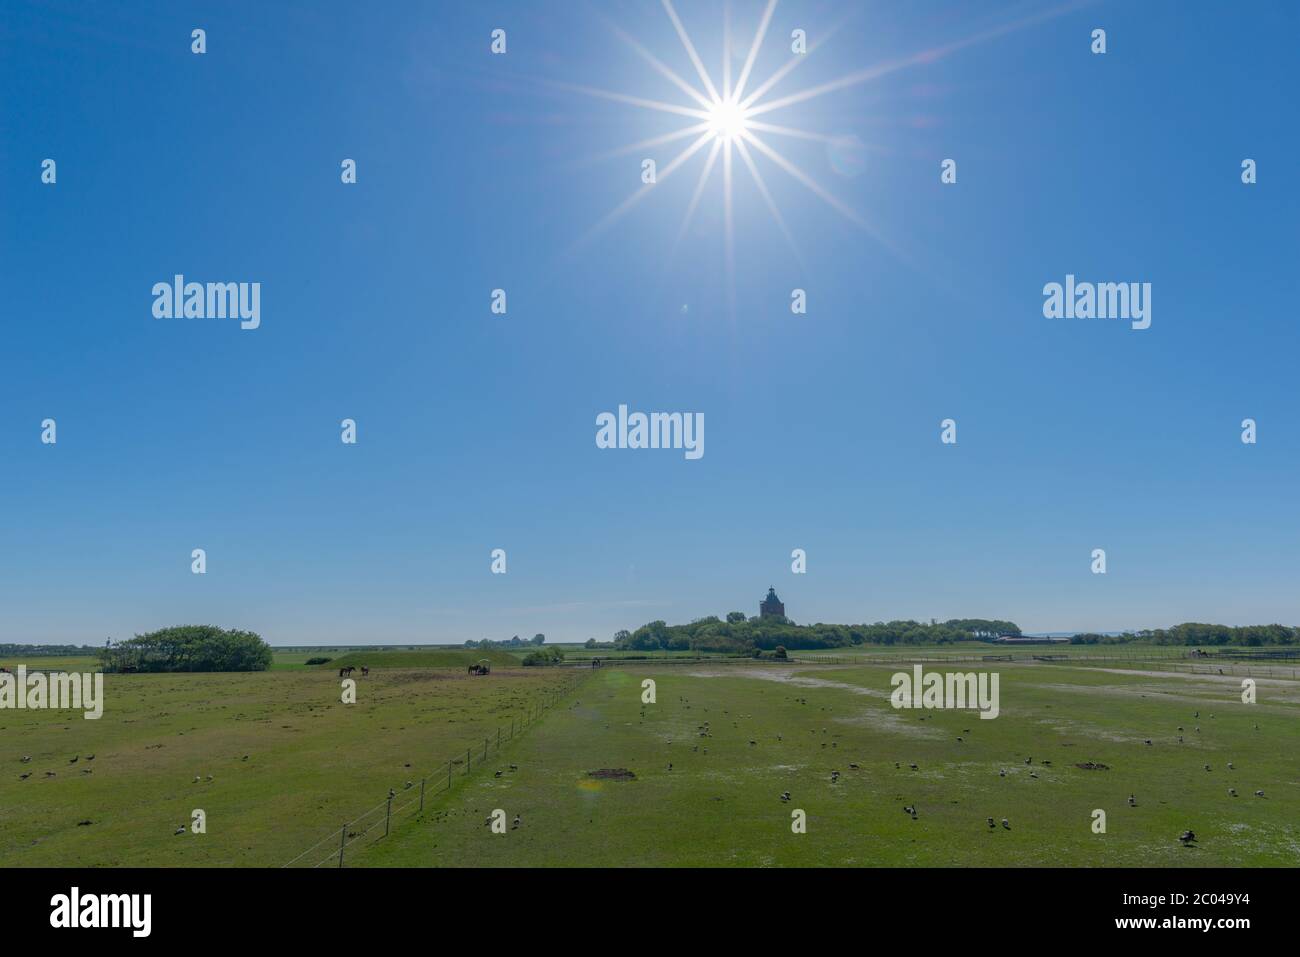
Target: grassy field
pixel 430 658
pixel 720 804
pixel 311 763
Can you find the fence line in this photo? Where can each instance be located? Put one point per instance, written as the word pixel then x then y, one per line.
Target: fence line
pixel 442 778
pixel 1168 661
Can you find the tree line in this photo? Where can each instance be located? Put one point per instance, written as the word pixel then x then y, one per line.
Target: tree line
pixel 35 651
pixel 737 634
pixel 515 642
pixel 1193 633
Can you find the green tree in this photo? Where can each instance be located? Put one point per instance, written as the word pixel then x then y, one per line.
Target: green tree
pixel 189 648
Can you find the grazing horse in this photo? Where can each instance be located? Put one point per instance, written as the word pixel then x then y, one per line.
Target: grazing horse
pixel 365 670
pixel 346 672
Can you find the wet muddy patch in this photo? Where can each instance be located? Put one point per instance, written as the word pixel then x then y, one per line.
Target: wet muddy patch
pixel 612 774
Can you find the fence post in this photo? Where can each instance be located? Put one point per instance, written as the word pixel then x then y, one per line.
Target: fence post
pixel 448 775
pixel 343 839
pixel 498 739
pixel 388 815
pixel 467 761
pixel 485 744
pixel 421 795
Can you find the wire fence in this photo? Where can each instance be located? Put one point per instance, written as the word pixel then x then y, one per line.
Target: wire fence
pixel 1158 659
pixel 598 662
pixel 377 823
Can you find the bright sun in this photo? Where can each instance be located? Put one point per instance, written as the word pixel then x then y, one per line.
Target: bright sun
pixel 730 123
pixel 727 120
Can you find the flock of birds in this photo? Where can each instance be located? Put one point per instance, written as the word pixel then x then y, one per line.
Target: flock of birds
pixel 27 759
pixel 704 731
pixel 1188 837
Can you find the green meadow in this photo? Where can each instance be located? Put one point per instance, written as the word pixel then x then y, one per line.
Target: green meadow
pixel 289 762
pixel 424 658
pixel 694 779
pixel 711 758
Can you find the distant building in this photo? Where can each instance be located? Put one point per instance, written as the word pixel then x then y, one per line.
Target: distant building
pixel 771 607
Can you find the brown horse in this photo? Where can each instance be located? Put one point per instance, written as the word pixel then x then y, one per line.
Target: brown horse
pixel 365 670
pixel 346 672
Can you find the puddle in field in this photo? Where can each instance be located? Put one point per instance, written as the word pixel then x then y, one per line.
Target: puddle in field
pixel 1192 696
pixel 885 720
pixel 787 676
pixel 1198 676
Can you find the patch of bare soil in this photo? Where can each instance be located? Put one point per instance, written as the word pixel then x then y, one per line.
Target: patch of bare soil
pixel 1093 766
pixel 612 774
pixel 415 676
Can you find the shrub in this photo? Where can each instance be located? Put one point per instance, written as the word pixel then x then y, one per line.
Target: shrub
pixel 189 648
pixel 547 656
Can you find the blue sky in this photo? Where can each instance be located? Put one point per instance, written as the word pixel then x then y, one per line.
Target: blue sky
pixel 477 431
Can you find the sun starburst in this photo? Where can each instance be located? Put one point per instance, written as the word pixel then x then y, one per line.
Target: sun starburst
pixel 722 127
pixel 727 123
